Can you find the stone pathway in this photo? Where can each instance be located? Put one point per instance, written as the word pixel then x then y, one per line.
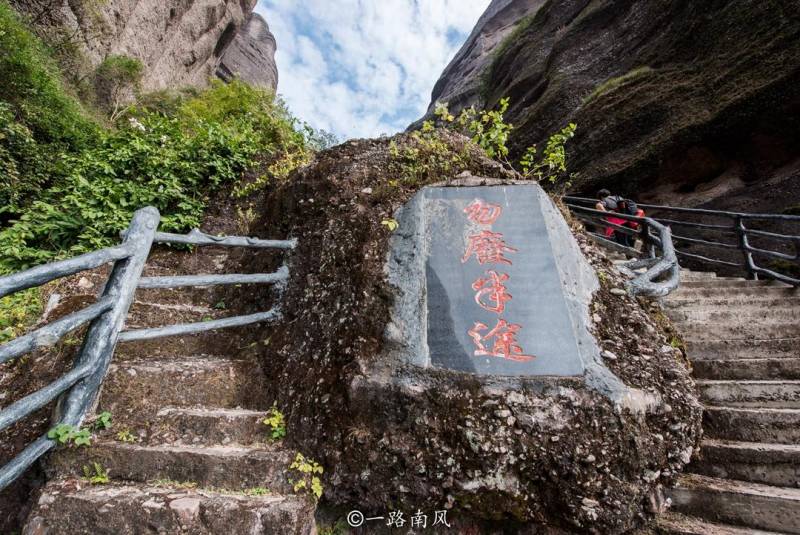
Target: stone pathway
pixel 201 462
pixel 743 338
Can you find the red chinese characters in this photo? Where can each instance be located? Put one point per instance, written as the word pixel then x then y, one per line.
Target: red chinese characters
pixel 489 247
pixel 483 213
pixel 503 340
pixel 493 290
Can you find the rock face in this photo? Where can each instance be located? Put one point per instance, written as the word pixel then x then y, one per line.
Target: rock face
pixel 251 55
pixel 367 394
pixel 180 42
pixel 678 101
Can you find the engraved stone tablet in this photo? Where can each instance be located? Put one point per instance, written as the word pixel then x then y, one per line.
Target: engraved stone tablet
pixel 495 299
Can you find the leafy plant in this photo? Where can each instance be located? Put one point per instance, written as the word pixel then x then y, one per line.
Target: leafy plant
pixel 103 421
pixel 96 475
pixel 18 311
pixel 170 162
pixel 126 436
pixel 40 123
pixel 306 469
pixel 65 434
pixel 390 224
pixel 276 421
pixel 553 162
pixel 117 80
pixel 489 130
pixel 422 158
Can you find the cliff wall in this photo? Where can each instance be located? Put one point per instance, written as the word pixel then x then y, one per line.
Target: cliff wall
pixel 676 101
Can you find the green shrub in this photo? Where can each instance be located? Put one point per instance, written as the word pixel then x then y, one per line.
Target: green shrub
pixel 170 162
pixel 116 81
pixel 489 131
pixel 32 86
pixel 39 121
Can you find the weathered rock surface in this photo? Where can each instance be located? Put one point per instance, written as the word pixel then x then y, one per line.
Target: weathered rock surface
pixel 396 433
pixel 180 42
pixel 679 102
pixel 72 506
pixel 251 55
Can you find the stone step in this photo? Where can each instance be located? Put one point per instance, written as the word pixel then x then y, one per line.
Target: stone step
pixel 779 368
pixel 778 394
pixel 203 426
pixel 155 314
pixel 739 503
pixel 72 506
pixel 730 314
pixel 672 523
pixel 780 426
pixel 731 300
pixel 732 283
pixel 757 462
pixel 227 467
pixel 743 349
pixel 720 292
pixel 223 342
pixel 695 275
pixel 135 390
pixel 744 329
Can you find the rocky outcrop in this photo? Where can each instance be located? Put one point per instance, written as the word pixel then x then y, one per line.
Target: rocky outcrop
pixel 679 101
pixel 180 42
pixel 359 360
pixel 251 55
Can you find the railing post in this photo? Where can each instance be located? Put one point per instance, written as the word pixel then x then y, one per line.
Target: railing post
pixel 98 344
pixel 741 232
pixel 101 337
pixel 648 249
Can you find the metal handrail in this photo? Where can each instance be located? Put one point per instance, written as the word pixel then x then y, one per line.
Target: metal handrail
pixel 661 271
pixel 738 227
pixel 78 388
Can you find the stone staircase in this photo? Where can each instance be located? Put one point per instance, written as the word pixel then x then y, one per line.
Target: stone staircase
pixel 743 339
pixel 201 462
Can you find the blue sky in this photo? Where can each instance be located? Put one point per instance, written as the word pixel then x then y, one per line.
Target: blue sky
pixel 361 68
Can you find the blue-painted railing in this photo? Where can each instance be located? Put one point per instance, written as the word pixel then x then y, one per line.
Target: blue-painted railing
pixel 77 389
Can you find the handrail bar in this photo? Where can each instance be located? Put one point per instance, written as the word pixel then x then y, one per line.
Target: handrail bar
pixel 210 280
pixel 35 401
pixel 719 228
pixel 191 328
pixel 705 242
pixel 50 334
pixel 704 211
pixel 646 283
pixel 739 228
pixel 706 259
pixel 774 254
pixel 36 276
pixel 79 387
pixel 196 237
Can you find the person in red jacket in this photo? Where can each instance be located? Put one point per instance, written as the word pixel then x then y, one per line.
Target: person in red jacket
pixel 614 203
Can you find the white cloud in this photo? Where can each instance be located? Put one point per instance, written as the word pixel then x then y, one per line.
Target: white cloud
pixel 360 68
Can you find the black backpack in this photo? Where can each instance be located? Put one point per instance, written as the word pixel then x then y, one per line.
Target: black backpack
pixel 626 206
